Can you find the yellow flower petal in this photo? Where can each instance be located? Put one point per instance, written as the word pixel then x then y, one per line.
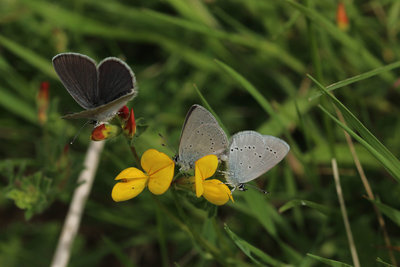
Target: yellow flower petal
pixel 216 192
pixel 132 184
pixel 205 167
pixel 130 173
pixel 160 168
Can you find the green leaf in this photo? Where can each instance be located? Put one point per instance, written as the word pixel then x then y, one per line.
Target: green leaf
pixel 384 263
pixel 251 251
pixel 390 212
pixel 392 169
pixel 29 56
pixel 358 78
pixel 17 106
pixel 298 202
pixel 329 262
pixel 342 37
pixel 391 163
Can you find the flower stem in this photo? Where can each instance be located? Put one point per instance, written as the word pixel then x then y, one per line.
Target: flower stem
pixel 134 153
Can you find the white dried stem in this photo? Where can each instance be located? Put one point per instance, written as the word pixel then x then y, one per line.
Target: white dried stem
pixel 81 193
pixel 353 249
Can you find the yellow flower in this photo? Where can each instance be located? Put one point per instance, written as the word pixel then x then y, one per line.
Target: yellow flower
pixel 213 190
pixel 159 170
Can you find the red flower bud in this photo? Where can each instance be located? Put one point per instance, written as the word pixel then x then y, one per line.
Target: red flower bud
pixel 130 125
pixel 104 131
pixel 123 113
pixel 43 102
pixel 341 17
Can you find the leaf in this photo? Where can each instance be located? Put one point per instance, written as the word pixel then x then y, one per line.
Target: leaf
pixel 250 250
pixel 328 261
pixel 384 263
pixel 390 212
pixel 29 56
pixel 391 163
pixel 358 78
pixel 298 202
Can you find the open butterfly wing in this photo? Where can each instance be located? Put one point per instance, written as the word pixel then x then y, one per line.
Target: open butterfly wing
pixel 78 74
pixel 116 79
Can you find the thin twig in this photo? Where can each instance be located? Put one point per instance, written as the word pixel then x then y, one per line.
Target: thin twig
pixel 81 193
pixel 353 249
pixel 368 188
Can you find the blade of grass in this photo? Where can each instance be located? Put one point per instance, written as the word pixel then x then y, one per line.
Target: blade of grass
pixel 205 103
pixel 17 106
pixel 29 56
pixel 250 250
pixel 384 263
pixel 390 212
pixel 263 102
pixel 328 261
pixel 299 202
pixel 393 170
pixel 339 35
pixel 357 78
pixel 364 132
pixel 367 186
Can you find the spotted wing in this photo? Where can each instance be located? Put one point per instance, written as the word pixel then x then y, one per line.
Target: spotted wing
pixel 201 136
pixel 251 154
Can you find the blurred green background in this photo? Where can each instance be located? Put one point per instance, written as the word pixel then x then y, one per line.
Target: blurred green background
pixel 249 59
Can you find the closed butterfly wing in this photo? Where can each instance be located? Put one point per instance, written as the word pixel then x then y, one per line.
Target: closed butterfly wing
pixel 251 154
pixel 201 136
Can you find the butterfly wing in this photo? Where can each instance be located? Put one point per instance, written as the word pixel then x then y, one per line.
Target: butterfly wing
pixel 252 154
pixel 116 79
pixel 78 74
pixel 103 112
pixel 201 135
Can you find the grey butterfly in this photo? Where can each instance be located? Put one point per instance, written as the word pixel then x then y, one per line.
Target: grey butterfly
pixel 100 90
pixel 250 155
pixel 201 135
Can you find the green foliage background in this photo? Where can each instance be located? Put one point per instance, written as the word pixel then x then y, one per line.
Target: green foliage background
pixel 250 60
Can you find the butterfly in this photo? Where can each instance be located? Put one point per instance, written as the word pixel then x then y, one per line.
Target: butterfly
pixel 201 135
pixel 250 155
pixel 101 90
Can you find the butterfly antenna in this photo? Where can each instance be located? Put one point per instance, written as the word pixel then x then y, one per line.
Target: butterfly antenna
pixel 79 131
pixel 165 143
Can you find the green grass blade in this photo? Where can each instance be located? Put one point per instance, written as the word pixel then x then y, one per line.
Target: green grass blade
pixel 298 202
pixel 328 261
pixel 358 78
pixel 252 251
pixel 207 105
pixel 249 87
pixel 363 131
pixel 17 106
pixel 339 35
pixel 391 168
pixel 29 56
pixel 390 212
pixel 384 263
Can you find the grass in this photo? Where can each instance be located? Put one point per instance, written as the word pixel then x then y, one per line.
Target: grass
pixel 282 68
